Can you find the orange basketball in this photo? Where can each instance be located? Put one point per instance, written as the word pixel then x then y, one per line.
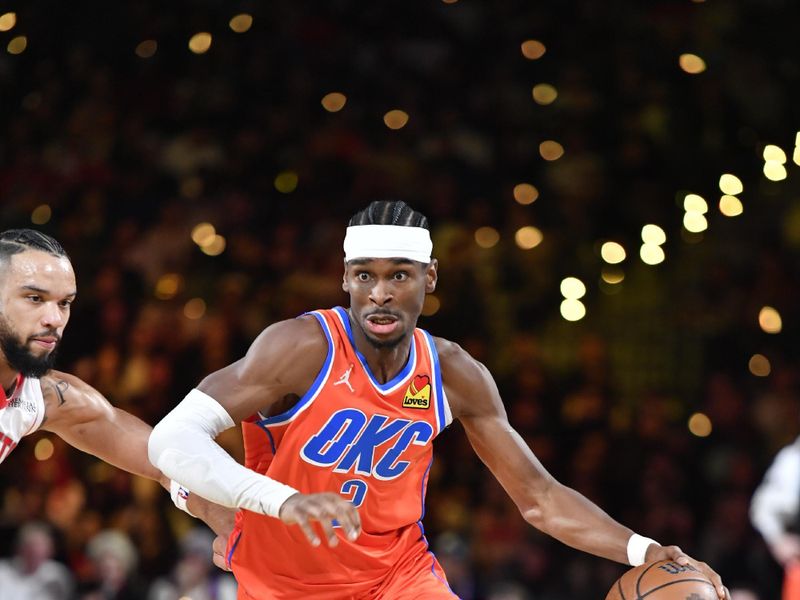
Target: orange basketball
pixel 663 580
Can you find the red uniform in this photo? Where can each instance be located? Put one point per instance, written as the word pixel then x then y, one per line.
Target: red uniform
pixel 370 442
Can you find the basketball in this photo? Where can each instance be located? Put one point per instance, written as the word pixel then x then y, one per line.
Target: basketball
pixel 663 580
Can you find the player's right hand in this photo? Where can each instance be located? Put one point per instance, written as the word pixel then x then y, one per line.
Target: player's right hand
pixel 325 508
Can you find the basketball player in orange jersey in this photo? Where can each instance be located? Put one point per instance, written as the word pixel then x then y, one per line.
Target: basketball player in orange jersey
pixel 37 289
pixel 349 401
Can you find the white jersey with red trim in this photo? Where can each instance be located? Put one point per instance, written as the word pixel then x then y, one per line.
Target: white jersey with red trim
pixel 22 415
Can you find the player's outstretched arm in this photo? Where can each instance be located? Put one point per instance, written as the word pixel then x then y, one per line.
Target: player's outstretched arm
pixel 544 502
pixel 86 420
pixel 282 362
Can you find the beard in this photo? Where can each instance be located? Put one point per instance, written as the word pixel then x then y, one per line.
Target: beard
pixel 18 355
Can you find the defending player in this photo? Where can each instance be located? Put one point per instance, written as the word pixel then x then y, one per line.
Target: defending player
pixel 349 401
pixel 37 288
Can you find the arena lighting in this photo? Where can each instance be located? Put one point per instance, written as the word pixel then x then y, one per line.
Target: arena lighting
pixel 215 247
pixel 774 170
pixel 699 425
pixel 653 234
pixel 395 119
pixel 796 153
pixel 651 254
pixel 551 150
pixel 773 153
pixel 612 252
pixel 770 320
pixel 730 185
pixel 334 102
pixel 41 214
pixel 528 237
pixel 695 203
pixel 200 42
pixel 286 182
pixel 44 449
pixel 430 305
pixel 203 234
pixel 194 309
pixel 572 288
pixel 695 222
pixel 525 193
pixel 544 94
pixel 691 63
pixel 730 206
pixel 487 237
pixel 759 365
pixel 572 309
pixel 168 285
pixel 7 21
pixel 533 49
pixel 146 49
pixel 241 23
pixel 17 45
pixel 612 275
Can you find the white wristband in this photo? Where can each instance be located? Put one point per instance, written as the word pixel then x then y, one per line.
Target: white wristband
pixel 637 549
pixel 179 496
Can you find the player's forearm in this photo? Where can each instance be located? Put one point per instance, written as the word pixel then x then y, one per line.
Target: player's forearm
pixel 183 447
pixel 572 519
pixel 219 518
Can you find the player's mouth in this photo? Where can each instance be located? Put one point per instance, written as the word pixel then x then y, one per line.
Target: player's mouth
pixel 48 342
pixel 382 323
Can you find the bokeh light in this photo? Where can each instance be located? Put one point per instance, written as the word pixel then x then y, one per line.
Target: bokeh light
pixel 759 365
pixel 651 254
pixel 700 425
pixel 395 119
pixel 168 286
pixel 695 203
pixel 430 305
pixel 544 94
pixel 551 150
pixel 44 449
pixel 525 193
pixel 691 63
pixel 774 170
pixel 612 252
pixel 194 309
pixel 774 153
pixel 770 320
pixel 653 234
pixel 7 21
pixel 41 214
pixel 572 309
pixel 241 23
pixel 695 222
pixel 572 288
pixel 286 182
pixel 200 42
pixel 334 102
pixel 612 275
pixel 146 48
pixel 528 237
pixel 215 247
pixel 487 237
pixel 730 184
pixel 17 45
pixel 730 206
pixel 203 234
pixel 533 49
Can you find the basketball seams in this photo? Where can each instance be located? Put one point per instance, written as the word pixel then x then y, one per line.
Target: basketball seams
pixel 619 588
pixel 639 580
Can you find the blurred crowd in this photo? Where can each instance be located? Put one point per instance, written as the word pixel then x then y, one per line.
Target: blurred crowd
pixel 121 156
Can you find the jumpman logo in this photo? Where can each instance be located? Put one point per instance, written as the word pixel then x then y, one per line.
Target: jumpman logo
pixel 345 379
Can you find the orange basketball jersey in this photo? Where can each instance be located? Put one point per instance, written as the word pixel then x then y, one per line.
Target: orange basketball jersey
pixel 368 441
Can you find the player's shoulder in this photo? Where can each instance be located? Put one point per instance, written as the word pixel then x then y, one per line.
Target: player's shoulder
pixel 295 336
pixel 68 399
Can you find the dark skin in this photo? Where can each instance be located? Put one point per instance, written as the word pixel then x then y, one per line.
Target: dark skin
pixel 386 297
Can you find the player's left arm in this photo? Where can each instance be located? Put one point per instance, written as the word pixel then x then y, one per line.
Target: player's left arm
pixel 543 502
pixel 86 420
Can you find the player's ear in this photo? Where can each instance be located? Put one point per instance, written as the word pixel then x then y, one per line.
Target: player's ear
pixel 431 276
pixel 345 285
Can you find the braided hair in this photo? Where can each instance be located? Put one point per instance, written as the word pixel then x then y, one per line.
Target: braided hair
pixel 389 212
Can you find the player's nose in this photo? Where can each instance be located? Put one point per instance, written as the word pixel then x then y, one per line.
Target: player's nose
pixel 52 316
pixel 381 293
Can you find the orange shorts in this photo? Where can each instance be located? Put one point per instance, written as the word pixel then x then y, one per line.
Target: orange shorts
pixel 424 579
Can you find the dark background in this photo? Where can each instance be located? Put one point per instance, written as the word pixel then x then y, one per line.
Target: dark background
pixel 130 153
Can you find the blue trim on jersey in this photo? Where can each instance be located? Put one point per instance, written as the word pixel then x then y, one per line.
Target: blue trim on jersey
pixel 437 374
pixel 318 382
pixel 229 558
pixel 269 435
pixel 384 387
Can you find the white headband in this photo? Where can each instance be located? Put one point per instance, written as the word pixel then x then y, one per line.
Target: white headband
pixel 388 241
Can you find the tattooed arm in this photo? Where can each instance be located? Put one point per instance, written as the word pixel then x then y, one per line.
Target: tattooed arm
pixel 83 418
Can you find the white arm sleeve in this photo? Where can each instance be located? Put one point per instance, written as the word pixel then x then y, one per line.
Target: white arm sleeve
pixel 775 502
pixel 182 446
